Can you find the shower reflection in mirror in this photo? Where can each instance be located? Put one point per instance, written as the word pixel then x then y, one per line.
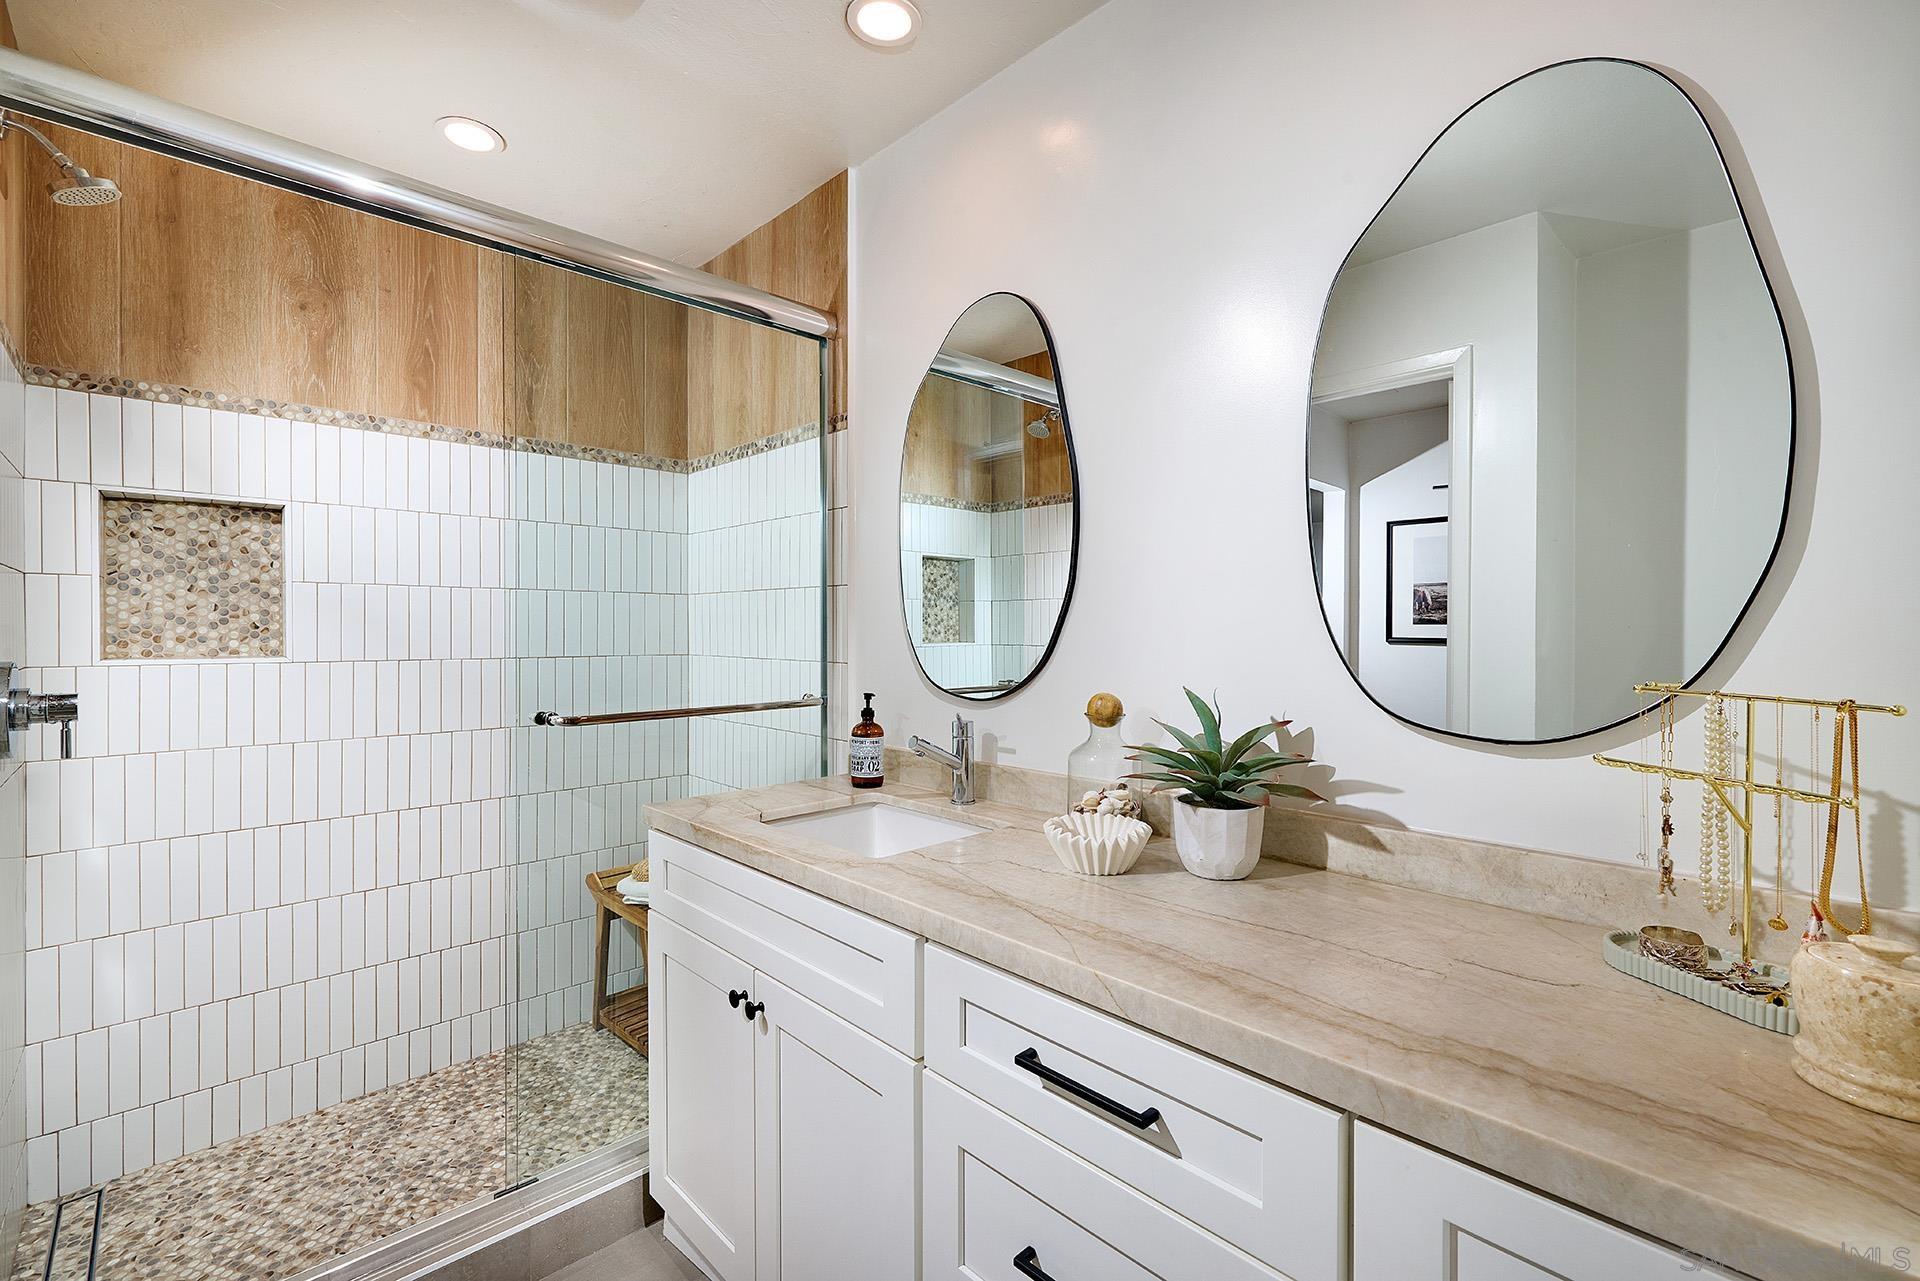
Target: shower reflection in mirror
pixel 988 524
pixel 1551 421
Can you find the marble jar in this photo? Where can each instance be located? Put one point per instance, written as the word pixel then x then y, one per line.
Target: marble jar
pixel 1859 1007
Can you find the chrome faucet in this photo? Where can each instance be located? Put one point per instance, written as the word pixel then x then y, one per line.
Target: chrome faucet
pixel 959 760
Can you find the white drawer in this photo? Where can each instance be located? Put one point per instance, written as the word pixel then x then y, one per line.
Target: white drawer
pixel 1421 1216
pixel 996 1191
pixel 866 971
pixel 1248 1161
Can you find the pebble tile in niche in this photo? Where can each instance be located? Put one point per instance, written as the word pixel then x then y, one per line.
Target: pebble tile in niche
pixel 940 593
pixel 190 580
pixel 271 1204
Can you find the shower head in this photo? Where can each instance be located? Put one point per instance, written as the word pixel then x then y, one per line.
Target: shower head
pixel 75 186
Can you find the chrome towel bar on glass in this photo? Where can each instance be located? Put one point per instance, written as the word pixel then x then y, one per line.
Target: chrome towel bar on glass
pixel 674 713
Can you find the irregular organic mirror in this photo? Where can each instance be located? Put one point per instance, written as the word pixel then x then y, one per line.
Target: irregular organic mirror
pixel 1551 428
pixel 988 524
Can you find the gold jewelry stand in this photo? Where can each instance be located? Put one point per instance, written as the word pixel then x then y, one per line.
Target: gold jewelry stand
pixel 1747 785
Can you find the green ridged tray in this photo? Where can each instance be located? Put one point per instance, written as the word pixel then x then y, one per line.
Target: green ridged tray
pixel 1622 950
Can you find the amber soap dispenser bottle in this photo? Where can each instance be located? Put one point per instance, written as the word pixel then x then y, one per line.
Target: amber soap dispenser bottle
pixel 867 753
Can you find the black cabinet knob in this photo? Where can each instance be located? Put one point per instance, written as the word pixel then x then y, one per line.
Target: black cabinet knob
pixel 734 999
pixel 753 1009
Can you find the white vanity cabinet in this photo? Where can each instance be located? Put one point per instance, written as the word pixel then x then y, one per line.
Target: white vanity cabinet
pixel 795 1136
pixel 1421 1216
pixel 784 1140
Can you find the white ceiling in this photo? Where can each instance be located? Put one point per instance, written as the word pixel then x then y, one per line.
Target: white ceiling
pixel 1614 152
pixel 1000 328
pixel 670 126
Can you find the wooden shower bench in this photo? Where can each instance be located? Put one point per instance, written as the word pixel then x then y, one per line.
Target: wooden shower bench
pixel 622 1013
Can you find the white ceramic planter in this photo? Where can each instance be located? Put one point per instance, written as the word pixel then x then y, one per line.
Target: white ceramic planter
pixel 1220 845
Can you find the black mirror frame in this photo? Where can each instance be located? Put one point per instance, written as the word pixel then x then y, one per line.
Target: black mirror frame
pixel 1073 554
pixel 1793 419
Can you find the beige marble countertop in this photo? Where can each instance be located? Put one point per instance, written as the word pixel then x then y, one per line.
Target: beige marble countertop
pixel 1495 1034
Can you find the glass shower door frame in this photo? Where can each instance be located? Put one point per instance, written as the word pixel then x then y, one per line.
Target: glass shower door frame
pixel 524 1165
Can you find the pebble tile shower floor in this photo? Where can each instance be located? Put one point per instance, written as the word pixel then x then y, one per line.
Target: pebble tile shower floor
pixel 274 1203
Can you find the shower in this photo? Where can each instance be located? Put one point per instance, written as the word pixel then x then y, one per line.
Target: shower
pixel 75 186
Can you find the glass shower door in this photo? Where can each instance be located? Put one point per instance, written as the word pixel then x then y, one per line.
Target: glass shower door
pixel 668 578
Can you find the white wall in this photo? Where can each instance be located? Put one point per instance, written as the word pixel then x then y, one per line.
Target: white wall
pixel 1394 464
pixel 1175 185
pixel 1479 289
pixel 1630 554
pixel 1736 451
pixel 1556 538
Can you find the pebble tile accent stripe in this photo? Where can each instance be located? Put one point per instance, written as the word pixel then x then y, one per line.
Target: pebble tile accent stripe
pixel 190 580
pixel 271 1204
pixel 174 394
pixel 1003 505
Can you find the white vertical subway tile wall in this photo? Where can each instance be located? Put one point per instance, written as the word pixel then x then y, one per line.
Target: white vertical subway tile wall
pixel 264 886
pixel 754 584
pixel 14 1083
pixel 1017 557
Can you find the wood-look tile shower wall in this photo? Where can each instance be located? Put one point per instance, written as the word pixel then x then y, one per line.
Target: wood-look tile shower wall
pixel 214 282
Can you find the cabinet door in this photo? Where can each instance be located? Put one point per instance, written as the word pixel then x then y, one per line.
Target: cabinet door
pixel 701 1138
pixel 864 970
pixel 837 1115
pixel 1419 1216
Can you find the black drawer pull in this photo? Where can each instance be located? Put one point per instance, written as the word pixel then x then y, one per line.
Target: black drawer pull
pixel 1027 1264
pixel 754 1008
pixel 734 999
pixel 1028 1060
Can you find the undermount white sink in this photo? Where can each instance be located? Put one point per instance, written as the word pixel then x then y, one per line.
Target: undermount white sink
pixel 877 831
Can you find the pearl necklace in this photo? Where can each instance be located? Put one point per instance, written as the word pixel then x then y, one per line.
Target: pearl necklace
pixel 1716 838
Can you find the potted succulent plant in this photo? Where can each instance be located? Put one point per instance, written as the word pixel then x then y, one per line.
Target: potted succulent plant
pixel 1225 786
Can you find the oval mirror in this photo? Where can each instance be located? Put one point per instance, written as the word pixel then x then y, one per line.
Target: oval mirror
pixel 988 524
pixel 1551 428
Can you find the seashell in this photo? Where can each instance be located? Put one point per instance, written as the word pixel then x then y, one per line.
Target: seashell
pixel 1096 844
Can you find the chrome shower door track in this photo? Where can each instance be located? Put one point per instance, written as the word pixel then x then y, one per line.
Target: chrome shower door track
pixel 424 1247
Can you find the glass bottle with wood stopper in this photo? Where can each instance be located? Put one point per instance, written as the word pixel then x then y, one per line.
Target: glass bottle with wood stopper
pixel 867 750
pixel 1098 764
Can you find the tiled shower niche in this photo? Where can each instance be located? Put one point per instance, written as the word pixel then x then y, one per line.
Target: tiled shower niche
pixel 184 579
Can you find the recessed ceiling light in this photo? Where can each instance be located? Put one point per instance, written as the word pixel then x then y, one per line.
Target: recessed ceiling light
pixel 471 135
pixel 884 24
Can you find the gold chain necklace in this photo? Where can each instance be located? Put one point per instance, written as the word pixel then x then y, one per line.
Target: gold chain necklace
pixel 1778 921
pixel 1846 734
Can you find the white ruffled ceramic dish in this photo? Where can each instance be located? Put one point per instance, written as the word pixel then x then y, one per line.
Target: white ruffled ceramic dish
pixel 1097 844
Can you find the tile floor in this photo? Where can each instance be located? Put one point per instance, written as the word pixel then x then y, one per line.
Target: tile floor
pixel 275 1202
pixel 640 1256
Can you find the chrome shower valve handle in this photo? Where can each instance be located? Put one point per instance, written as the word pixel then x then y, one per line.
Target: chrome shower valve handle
pixel 23 709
